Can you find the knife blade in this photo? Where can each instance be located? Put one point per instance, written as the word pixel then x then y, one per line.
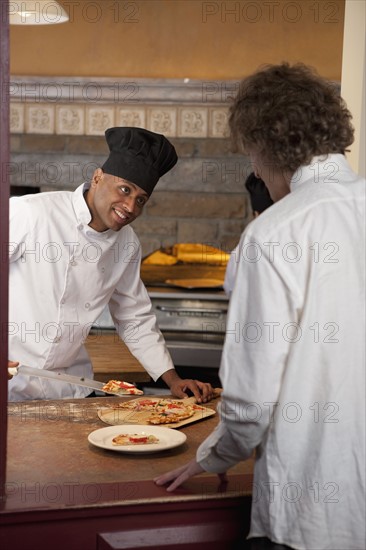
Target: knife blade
pixel 62 377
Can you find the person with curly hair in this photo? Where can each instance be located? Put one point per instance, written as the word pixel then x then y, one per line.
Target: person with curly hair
pixel 292 369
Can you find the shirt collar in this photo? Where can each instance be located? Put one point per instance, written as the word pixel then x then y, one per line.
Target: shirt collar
pixel 323 165
pixel 83 214
pixel 81 208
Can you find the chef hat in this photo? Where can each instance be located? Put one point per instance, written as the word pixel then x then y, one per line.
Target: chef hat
pixel 139 156
pixel 260 198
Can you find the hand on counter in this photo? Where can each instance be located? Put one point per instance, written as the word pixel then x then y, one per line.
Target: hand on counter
pixel 182 474
pixel 12 365
pixel 202 391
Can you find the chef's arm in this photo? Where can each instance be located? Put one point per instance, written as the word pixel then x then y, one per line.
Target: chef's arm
pixel 252 371
pixel 202 391
pixel 137 327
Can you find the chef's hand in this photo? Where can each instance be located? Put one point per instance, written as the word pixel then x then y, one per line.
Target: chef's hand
pixel 202 391
pixel 180 475
pixel 11 365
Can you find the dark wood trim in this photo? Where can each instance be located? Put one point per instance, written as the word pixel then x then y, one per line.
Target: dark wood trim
pixel 26 500
pixel 220 535
pixel 4 231
pixel 97 527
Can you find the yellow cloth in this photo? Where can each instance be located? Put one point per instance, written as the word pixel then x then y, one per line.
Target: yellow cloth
pixel 160 258
pixel 192 253
pixel 197 253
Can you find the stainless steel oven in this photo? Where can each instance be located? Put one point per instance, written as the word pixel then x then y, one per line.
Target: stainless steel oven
pixel 193 324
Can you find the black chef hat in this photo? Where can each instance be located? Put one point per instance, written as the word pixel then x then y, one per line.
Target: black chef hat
pixel 260 198
pixel 139 156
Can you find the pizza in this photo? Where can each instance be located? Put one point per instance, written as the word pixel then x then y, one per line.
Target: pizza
pixel 121 388
pixel 134 439
pixel 138 405
pixel 168 415
pixel 162 411
pixel 169 411
pixel 154 411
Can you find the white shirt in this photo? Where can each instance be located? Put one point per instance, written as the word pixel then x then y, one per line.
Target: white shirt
pixel 230 272
pixel 293 364
pixel 62 275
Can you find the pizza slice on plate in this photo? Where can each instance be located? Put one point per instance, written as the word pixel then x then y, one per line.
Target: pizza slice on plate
pixel 134 439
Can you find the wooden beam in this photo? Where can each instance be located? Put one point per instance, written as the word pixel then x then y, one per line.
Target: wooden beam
pixel 4 232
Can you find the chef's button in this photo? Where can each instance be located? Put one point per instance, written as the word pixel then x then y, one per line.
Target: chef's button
pixel 87 305
pixel 73 263
pixel 102 269
pixel 57 340
pixel 80 226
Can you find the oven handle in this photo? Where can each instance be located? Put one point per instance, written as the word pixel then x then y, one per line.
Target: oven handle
pixel 168 309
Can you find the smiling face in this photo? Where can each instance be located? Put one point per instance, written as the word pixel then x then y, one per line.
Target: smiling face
pixel 113 202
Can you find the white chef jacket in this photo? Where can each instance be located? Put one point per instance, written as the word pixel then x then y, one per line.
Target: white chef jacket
pixel 293 364
pixel 230 271
pixel 62 275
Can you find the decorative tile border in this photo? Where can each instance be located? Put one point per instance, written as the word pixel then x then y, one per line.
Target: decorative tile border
pixel 71 106
pixel 219 123
pixel 98 119
pixel 70 120
pixel 17 118
pixel 131 116
pixel 188 122
pixel 193 122
pixel 39 119
pixel 162 120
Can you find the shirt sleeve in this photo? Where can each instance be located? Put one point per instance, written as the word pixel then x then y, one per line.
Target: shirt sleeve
pixel 18 227
pixel 263 313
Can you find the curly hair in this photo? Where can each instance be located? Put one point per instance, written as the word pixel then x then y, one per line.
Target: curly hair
pixel 290 114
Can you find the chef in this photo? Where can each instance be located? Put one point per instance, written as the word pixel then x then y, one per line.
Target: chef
pixel 71 254
pixel 293 363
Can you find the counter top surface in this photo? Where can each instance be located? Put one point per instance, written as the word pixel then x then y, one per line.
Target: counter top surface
pixel 48 449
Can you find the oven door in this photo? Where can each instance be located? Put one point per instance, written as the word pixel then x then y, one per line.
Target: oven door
pixel 192 349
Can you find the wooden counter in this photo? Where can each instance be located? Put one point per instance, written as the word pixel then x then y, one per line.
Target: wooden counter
pixel 65 493
pixel 111 358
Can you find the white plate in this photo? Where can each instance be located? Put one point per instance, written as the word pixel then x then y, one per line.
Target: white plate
pixel 168 438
